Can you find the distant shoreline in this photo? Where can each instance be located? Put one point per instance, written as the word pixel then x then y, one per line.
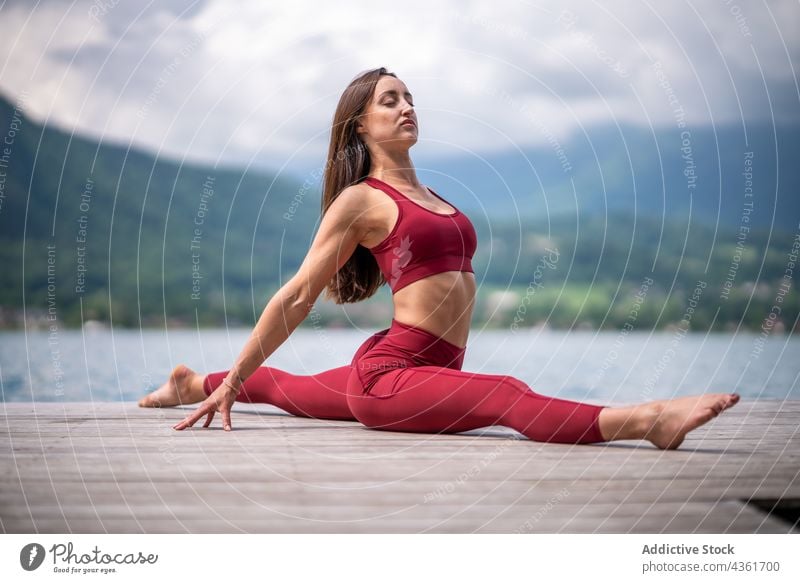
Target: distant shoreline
pixel 476 326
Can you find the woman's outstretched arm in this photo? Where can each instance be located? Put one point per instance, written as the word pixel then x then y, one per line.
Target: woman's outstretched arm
pixel 341 230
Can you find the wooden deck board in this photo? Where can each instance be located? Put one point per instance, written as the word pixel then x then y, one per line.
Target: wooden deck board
pixel 114 467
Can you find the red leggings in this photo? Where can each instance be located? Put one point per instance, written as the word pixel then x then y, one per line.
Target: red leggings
pixel 404 378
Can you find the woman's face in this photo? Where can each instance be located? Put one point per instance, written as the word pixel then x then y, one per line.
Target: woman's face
pixel 384 123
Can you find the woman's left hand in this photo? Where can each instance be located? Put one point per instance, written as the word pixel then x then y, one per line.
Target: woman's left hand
pixel 222 399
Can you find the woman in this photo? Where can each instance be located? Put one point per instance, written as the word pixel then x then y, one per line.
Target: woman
pixel 380 225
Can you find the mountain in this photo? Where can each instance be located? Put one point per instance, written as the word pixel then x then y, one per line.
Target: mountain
pixel 121 223
pixel 633 169
pixel 97 230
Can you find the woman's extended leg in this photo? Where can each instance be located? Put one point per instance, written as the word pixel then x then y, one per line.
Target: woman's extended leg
pixel 320 395
pixel 434 399
pixel 442 400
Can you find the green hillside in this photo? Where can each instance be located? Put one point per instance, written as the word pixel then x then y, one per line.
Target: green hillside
pixel 98 231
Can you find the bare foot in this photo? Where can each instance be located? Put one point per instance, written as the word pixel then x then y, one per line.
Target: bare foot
pixel 671 420
pixel 183 387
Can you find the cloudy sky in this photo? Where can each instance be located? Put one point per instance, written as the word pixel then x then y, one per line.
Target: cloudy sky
pixel 257 83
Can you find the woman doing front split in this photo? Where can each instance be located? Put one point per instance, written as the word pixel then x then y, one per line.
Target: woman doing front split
pixel 404 378
pixel 381 225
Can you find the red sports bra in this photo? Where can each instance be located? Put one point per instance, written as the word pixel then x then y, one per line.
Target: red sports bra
pixel 422 242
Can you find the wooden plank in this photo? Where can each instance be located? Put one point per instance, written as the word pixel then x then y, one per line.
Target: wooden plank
pixel 114 467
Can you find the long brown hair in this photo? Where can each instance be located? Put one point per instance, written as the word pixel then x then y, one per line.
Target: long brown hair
pixel 348 163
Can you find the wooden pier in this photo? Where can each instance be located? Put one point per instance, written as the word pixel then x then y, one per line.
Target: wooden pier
pixel 118 468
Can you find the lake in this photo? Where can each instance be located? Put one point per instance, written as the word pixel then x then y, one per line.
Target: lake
pixel 122 365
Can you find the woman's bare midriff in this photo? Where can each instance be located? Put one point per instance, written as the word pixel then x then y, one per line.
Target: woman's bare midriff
pixel 441 304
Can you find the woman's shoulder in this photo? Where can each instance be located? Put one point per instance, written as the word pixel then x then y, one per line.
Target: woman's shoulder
pixel 350 198
pixel 377 214
pixel 356 191
pixel 365 198
pixel 361 205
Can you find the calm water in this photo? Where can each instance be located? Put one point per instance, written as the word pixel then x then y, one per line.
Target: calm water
pixel 111 365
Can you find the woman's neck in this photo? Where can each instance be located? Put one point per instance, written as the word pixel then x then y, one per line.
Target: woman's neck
pixel 397 170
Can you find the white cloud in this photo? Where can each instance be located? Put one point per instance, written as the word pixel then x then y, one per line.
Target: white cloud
pixel 261 81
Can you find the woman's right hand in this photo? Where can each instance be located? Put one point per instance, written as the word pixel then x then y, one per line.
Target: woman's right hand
pixel 221 400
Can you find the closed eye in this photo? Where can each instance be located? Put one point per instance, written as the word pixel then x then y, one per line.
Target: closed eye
pixel 391 94
pixel 392 102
